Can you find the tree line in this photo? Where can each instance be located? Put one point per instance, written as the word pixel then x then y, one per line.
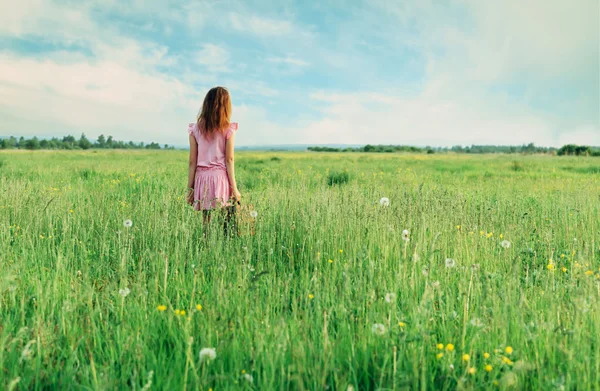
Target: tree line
pixel 570 149
pixel 70 142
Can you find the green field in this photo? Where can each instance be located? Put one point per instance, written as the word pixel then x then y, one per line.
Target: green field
pixel 326 295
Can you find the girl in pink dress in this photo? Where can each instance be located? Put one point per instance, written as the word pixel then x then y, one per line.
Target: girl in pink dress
pixel 211 175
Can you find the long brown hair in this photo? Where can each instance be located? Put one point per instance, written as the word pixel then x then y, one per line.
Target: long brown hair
pixel 216 111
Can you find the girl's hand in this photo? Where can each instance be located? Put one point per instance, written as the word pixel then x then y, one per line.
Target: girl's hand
pixel 190 196
pixel 237 197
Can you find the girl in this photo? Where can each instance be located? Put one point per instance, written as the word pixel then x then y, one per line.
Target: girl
pixel 211 175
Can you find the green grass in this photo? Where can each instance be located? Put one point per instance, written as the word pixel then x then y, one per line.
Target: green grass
pixel 294 305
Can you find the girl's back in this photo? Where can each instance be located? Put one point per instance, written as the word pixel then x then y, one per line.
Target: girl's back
pixel 211 148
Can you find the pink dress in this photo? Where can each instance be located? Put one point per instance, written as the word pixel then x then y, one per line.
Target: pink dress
pixel 211 185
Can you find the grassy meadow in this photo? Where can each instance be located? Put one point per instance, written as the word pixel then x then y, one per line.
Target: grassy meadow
pixel 496 285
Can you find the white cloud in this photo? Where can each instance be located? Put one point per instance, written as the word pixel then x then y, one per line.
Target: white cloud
pixel 215 58
pixel 260 26
pixel 289 61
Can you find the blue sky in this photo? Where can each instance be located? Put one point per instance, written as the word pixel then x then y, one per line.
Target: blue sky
pixel 381 71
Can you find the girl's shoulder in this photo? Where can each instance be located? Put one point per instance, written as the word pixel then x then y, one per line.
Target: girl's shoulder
pixel 233 127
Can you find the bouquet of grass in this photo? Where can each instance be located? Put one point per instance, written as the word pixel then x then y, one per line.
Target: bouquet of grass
pixel 245 219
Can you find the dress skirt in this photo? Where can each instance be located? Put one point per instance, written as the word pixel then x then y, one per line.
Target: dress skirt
pixel 211 188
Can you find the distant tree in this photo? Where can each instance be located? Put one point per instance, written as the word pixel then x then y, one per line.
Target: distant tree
pixel 21 142
pixel 44 144
pixel 84 143
pixel 32 143
pixel 109 142
pixel 101 142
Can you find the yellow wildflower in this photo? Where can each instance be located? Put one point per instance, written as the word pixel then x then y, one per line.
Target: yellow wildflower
pixel 550 267
pixel 311 296
pixel 458 227
pixel 182 312
pixel 199 307
pixel 161 308
pixel 488 368
pixel 471 371
pixel 177 312
pixel 440 346
pixel 589 273
pixel 486 355
pixel 330 261
pixel 507 360
pixel 439 355
pixel 401 324
pixel 501 236
pixel 490 234
pixel 466 357
pixel 481 233
pixel 449 347
pixel 564 269
pixel 508 350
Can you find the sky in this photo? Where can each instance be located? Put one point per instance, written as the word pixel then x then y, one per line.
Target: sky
pixel 418 72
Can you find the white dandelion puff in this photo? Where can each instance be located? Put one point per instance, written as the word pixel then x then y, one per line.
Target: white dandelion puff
pixel 425 271
pixel 450 262
pixel 406 235
pixel 384 201
pixel 127 223
pixel 124 292
pixel 248 377
pixel 378 329
pixel 505 244
pixel 476 322
pixel 207 354
pixel 390 297
pixel 253 214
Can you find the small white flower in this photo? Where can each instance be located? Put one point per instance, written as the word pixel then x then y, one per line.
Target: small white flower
pixel 207 354
pixel 390 297
pixel 193 265
pixel 425 272
pixel 451 367
pixel 435 284
pixel 124 292
pixel 127 223
pixel 406 235
pixel 384 201
pixel 350 387
pixel 253 214
pixel 248 377
pixel 450 262
pixel 378 329
pixel 505 244
pixel 476 322
pixel 454 315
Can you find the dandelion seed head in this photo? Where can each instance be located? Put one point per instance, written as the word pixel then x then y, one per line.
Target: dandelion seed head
pixel 207 354
pixel 450 263
pixel 378 329
pixel 384 201
pixel 253 214
pixel 390 297
pixel 505 244
pixel 124 292
pixel 406 235
pixel 127 223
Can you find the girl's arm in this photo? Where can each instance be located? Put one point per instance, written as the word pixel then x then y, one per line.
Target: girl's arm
pixel 193 162
pixel 230 164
